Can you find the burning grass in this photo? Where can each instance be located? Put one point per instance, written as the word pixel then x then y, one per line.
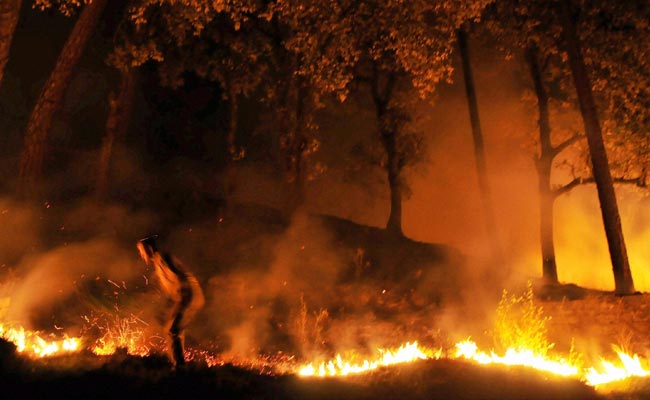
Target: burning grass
pixel 520 336
pixel 406 353
pixel 38 344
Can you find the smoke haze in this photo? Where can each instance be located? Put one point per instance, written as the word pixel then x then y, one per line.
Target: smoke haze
pixel 273 285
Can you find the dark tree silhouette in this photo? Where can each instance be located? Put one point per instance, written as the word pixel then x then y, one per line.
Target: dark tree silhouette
pixel 479 145
pixel 602 175
pixel 49 100
pixel 9 13
pixel 120 108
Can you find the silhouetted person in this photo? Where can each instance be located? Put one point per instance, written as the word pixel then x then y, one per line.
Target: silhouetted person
pixel 180 287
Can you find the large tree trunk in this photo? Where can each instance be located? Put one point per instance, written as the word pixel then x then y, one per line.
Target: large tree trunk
pixel 120 108
pixel 40 121
pixel 9 13
pixel 382 90
pixel 479 146
pixel 602 176
pixel 296 147
pixel 544 165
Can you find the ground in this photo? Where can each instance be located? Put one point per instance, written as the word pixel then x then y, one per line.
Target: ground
pixel 395 287
pixel 577 310
pixel 120 376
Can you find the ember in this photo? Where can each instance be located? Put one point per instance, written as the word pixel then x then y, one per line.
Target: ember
pixel 121 333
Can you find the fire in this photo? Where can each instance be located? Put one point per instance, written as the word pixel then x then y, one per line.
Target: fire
pixel 408 352
pixel 521 357
pixel 34 345
pixel 630 367
pixel 121 333
pixel 519 332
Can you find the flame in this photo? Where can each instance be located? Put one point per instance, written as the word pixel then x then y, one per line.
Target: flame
pixel 408 352
pixel 520 328
pixel 123 335
pixel 33 344
pixel 628 366
pixel 631 367
pixel 521 357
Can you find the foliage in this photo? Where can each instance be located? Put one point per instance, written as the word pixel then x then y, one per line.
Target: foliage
pixel 618 47
pixel 617 38
pixel 66 7
pixel 617 72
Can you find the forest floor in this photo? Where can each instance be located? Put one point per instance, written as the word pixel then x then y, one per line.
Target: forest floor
pixel 590 318
pixel 406 302
pixel 119 377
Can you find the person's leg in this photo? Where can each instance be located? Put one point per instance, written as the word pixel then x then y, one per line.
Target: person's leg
pixel 176 334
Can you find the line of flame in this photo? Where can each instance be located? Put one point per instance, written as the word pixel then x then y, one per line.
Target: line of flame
pixel 33 344
pixel 408 352
pixel 631 367
pixel 516 357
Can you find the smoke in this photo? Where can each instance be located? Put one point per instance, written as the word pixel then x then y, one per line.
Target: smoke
pixel 50 278
pixel 60 257
pixel 582 253
pixel 258 305
pixel 19 231
pixel 317 285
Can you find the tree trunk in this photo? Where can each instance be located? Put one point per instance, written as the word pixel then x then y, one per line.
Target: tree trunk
pixel 296 147
pixel 602 176
pixel 233 114
pixel 9 13
pixel 479 146
pixel 544 165
pixel 120 108
pixel 40 121
pixel 381 95
pixel 394 225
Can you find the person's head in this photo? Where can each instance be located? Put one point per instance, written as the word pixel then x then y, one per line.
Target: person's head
pixel 147 248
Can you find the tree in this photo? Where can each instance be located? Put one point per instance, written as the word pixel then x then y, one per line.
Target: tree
pixel 604 183
pixel 9 13
pixel 547 155
pixel 49 100
pixel 243 48
pixel 544 164
pixel 617 44
pixel 535 28
pixel 477 135
pixel 120 108
pixel 397 50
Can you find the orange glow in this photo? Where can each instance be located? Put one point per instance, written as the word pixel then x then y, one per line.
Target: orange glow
pixel 408 352
pixel 33 344
pixel 629 366
pixel 520 357
pixel 121 333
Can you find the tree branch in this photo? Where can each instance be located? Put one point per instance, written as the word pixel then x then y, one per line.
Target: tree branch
pixel 562 146
pixel 559 191
pixel 639 181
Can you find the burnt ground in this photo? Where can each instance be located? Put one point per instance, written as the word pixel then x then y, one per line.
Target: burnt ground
pixel 120 377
